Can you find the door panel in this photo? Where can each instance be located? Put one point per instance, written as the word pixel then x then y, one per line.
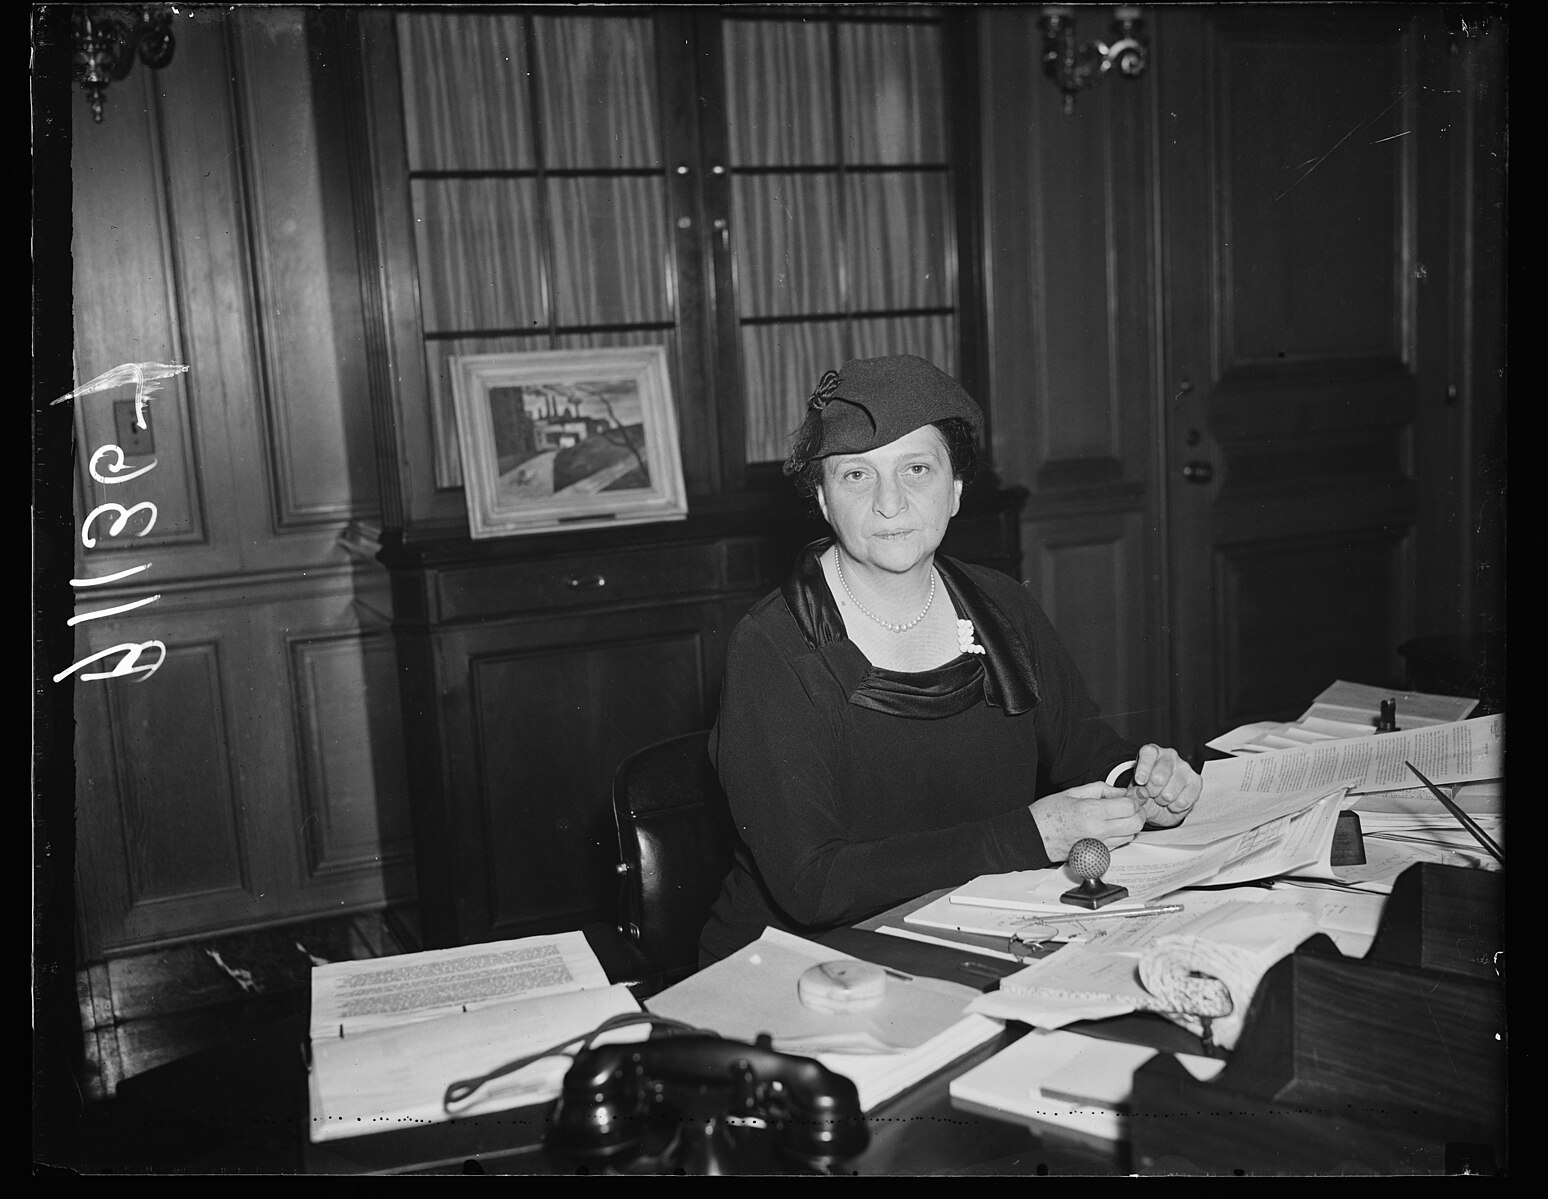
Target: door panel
pixel 1277 638
pixel 1290 189
pixel 552 726
pixel 536 713
pixel 1069 217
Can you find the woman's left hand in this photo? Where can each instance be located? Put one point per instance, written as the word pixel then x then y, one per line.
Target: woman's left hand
pixel 1166 786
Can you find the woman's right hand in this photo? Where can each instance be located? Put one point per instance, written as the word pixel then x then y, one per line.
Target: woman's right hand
pixel 1109 814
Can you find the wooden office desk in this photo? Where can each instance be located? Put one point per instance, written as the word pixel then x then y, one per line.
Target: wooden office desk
pixel 242 1107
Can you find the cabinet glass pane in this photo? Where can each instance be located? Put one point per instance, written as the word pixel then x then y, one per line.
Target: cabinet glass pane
pixel 856 247
pixel 609 245
pixel 933 338
pixel 890 81
pixel 476 243
pixel 900 241
pixel 623 337
pixel 465 92
pixel 786 234
pixel 782 364
pixel 597 80
pixel 779 92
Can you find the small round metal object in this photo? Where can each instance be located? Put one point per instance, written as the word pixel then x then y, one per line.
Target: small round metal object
pixel 1089 858
pixel 846 985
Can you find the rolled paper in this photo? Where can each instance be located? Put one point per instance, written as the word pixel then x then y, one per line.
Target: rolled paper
pixel 1213 974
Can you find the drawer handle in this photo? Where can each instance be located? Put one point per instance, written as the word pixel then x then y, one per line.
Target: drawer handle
pixel 585 582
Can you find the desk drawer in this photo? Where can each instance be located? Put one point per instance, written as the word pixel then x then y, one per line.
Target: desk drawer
pixel 578 580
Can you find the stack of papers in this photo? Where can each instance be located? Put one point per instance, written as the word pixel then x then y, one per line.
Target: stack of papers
pixel 1232 836
pixel 1066 1082
pixel 921 1025
pixel 1404 827
pixel 1344 710
pixel 1349 918
pixel 1402 822
pixel 1465 751
pixel 389 1035
pixel 1236 941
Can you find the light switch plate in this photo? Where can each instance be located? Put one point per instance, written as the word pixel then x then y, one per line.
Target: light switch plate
pixel 132 439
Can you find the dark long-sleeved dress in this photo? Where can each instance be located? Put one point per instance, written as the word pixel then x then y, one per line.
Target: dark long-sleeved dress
pixel 856 788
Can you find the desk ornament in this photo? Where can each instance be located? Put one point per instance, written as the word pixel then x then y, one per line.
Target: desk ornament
pixel 1088 860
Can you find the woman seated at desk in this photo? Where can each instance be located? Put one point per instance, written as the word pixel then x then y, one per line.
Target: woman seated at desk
pixel 893 721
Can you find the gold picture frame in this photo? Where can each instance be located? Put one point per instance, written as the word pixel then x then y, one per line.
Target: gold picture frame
pixel 567 439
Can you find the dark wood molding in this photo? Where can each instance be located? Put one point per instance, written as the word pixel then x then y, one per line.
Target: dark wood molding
pixel 961 70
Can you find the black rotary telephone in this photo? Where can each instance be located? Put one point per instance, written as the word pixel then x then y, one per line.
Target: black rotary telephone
pixel 700 1104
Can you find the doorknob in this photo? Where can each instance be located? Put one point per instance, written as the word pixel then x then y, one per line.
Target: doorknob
pixel 1199 472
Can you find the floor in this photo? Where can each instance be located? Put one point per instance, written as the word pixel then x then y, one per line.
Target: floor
pixel 143 1010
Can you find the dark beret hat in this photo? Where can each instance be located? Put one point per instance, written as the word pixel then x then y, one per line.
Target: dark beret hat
pixel 874 401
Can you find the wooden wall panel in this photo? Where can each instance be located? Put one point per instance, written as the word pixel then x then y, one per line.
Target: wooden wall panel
pixel 349 733
pixel 164 802
pixel 553 725
pixel 257 776
pixel 1287 611
pixel 179 810
pixel 1069 238
pixel 202 238
pixel 126 312
pixel 530 718
pixel 317 445
pixel 1072 323
pixel 203 206
pixel 1089 574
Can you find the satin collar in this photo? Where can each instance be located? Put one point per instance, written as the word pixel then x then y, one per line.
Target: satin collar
pixel 1005 674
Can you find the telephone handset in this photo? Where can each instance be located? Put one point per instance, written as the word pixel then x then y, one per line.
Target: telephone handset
pixel 701 1104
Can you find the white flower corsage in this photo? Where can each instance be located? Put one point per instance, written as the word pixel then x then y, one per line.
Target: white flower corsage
pixel 965 638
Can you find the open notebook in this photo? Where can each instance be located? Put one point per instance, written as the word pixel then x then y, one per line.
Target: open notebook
pixel 389 1035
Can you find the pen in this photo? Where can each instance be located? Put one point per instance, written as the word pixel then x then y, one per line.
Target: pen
pixel 1482 837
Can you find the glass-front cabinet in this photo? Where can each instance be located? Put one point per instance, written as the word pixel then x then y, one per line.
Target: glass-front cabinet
pixel 765 193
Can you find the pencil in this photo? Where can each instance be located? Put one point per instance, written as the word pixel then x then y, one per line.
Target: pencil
pixel 1158 909
pixel 1467 821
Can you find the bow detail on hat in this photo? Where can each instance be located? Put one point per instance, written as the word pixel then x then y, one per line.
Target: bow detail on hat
pixel 826 386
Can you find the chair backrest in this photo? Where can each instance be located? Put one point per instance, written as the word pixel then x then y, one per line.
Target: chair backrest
pixel 675 846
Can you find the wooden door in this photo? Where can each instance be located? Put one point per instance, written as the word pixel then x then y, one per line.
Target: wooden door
pixel 1304 167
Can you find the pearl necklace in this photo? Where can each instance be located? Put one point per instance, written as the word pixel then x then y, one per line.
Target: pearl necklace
pixel 838 564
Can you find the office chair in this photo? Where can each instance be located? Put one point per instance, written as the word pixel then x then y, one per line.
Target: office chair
pixel 675 846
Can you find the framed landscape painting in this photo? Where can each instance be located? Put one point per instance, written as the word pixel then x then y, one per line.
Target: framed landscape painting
pixel 562 439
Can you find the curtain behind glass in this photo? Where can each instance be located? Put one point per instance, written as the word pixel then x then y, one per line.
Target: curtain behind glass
pixel 842 207
pixel 511 256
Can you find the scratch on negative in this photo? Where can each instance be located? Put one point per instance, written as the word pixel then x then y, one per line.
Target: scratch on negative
pixel 141 374
pixel 1441 1037
pixel 1312 164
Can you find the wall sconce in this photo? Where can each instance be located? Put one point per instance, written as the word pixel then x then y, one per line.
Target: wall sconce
pixel 107 39
pixel 1073 69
